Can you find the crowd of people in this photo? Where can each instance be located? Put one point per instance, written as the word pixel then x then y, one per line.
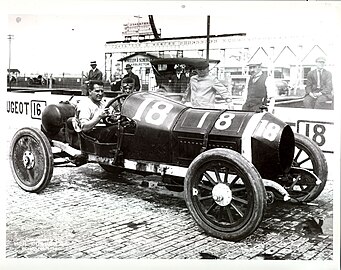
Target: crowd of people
pixel 200 90
pixel 95 74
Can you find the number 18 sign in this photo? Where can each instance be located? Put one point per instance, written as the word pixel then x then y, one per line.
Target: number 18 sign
pixel 319 132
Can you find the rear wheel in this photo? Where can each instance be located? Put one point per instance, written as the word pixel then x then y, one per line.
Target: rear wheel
pixel 309 159
pixel 31 159
pixel 225 194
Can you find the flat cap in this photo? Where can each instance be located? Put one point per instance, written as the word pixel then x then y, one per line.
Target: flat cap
pixel 321 59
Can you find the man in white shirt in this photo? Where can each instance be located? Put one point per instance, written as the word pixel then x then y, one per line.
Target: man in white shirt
pixel 202 89
pixel 90 113
pixel 261 89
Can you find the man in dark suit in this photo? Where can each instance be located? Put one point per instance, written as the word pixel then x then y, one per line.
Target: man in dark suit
pixel 261 89
pixel 94 73
pixel 130 74
pixel 319 87
pixel 178 81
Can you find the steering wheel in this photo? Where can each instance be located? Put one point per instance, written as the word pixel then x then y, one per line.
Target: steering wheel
pixel 116 104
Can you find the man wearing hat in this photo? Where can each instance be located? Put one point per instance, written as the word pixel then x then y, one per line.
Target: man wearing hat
pixel 130 74
pixel 319 86
pixel 202 89
pixel 178 80
pixel 94 73
pixel 260 88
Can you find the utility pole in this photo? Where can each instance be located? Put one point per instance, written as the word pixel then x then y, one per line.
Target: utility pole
pixel 208 40
pixel 138 27
pixel 10 37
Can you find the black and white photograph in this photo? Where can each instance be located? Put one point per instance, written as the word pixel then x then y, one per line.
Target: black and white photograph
pixel 163 134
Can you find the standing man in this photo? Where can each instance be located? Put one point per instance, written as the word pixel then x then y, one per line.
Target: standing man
pixel 202 89
pixel 130 74
pixel 178 81
pixel 261 87
pixel 319 87
pixel 94 73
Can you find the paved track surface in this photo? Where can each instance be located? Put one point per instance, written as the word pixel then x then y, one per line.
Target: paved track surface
pixel 87 213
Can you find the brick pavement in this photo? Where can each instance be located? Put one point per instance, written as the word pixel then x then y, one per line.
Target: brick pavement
pixel 85 214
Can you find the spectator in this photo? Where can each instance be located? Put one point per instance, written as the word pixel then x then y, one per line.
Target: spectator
pixel 127 85
pixel 319 87
pixel 94 73
pixel 202 89
pixel 116 83
pixel 261 89
pixel 130 74
pixel 189 73
pixel 178 81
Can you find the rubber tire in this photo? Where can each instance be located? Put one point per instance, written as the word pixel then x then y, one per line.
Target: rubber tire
pixel 320 167
pixel 250 175
pixel 42 152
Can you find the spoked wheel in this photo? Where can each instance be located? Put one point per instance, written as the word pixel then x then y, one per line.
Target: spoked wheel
pixel 31 159
pixel 309 172
pixel 225 194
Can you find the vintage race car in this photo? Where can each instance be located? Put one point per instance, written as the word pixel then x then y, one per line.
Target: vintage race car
pixel 228 163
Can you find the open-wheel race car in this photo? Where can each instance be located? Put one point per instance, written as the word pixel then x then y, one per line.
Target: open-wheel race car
pixel 228 163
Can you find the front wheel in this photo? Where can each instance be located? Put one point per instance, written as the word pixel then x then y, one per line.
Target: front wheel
pixel 225 194
pixel 31 159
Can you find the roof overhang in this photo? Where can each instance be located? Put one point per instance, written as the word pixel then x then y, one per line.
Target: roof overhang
pixel 182 60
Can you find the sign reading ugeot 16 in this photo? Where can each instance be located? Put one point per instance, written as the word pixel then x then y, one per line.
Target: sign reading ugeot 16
pixel 26 109
pixel 32 108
